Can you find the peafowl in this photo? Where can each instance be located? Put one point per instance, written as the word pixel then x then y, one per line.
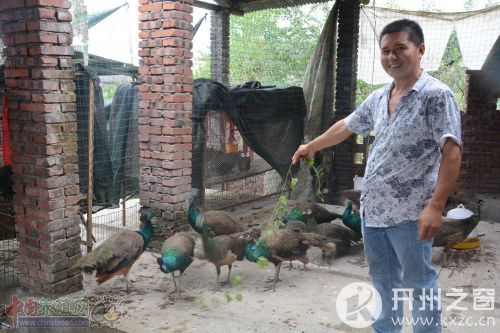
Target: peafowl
pixel 318 212
pixel 340 235
pixel 296 226
pixel 118 253
pixel 223 249
pixel 176 255
pixel 351 217
pixel 305 216
pixel 217 222
pixel 283 245
pixel 454 231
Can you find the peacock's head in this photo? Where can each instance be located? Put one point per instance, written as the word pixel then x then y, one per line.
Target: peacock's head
pixel 252 234
pixel 147 217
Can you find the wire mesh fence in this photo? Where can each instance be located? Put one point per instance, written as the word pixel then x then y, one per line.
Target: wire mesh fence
pixel 243 145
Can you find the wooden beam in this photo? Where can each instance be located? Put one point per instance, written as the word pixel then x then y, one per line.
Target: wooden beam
pixel 211 6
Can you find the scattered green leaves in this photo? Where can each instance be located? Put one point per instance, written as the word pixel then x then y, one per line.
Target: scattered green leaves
pixel 237 281
pixel 262 261
pixel 238 297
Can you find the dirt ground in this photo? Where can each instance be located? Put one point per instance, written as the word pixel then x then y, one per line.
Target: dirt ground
pixel 304 301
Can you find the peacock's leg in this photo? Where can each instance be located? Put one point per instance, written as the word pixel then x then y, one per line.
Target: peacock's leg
pixel 175 284
pixel 290 266
pixel 276 277
pixel 179 286
pixel 128 284
pixel 228 276
pixel 217 288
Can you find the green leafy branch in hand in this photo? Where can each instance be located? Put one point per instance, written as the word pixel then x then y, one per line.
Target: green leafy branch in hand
pixel 290 183
pixel 317 174
pixel 282 203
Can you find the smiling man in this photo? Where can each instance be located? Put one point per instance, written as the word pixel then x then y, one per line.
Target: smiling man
pixel 413 165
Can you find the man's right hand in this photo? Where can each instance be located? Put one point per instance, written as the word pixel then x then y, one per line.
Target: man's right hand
pixel 304 152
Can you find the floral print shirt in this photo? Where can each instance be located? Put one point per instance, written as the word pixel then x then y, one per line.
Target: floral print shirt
pixel 404 159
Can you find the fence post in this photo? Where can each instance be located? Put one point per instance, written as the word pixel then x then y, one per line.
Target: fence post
pixel 90 181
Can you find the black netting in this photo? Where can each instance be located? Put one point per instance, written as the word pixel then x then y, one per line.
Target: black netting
pixel 101 160
pixel 270 121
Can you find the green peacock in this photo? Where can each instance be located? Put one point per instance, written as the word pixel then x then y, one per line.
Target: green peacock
pixel 351 217
pixel 117 254
pixel 176 255
pixel 282 245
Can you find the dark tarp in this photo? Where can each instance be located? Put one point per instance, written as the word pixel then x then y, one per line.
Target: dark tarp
pixel 270 120
pixel 102 163
pixel 124 142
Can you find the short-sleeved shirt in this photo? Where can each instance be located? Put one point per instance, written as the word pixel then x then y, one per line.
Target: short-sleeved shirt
pixel 404 159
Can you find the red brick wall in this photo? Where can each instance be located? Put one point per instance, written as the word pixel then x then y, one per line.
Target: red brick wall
pixel 39 82
pixel 165 104
pixel 480 172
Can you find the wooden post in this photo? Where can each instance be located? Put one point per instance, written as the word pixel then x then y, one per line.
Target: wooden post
pixel 90 182
pixel 124 211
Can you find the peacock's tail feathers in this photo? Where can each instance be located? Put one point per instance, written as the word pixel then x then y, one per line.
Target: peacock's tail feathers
pixel 115 253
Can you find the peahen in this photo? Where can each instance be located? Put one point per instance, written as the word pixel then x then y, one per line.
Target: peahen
pixel 318 212
pixel 351 217
pixel 218 222
pixel 118 253
pixel 176 255
pixel 223 249
pixel 340 235
pixel 283 245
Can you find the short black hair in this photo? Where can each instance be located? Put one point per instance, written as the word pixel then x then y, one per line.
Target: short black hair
pixel 412 28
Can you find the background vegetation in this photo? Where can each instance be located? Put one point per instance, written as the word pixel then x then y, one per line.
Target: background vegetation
pixel 274 47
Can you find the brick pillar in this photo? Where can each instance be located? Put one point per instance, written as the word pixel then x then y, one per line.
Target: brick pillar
pixel 165 104
pixel 345 94
pixel 219 46
pixel 39 79
pixel 480 171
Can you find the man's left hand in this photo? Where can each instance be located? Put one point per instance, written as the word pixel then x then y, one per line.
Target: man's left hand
pixel 429 222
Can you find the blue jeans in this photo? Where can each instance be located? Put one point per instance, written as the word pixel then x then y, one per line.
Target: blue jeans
pixel 396 259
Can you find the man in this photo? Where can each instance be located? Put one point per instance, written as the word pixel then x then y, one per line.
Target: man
pixel 411 171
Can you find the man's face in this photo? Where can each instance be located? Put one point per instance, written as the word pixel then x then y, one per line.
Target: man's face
pixel 400 58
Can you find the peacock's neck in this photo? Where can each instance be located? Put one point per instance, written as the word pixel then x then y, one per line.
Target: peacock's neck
pixel 194 218
pixel 146 232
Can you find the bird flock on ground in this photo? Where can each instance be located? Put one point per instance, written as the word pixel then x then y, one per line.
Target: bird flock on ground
pixel 226 240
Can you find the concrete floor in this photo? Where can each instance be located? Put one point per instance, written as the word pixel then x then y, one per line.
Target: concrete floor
pixel 305 301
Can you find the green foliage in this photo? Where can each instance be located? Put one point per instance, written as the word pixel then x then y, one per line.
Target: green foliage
pixel 262 261
pixel 273 46
pixel 201 66
pixel 282 204
pixel 469 4
pixel 108 91
pixel 363 90
pixel 451 71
